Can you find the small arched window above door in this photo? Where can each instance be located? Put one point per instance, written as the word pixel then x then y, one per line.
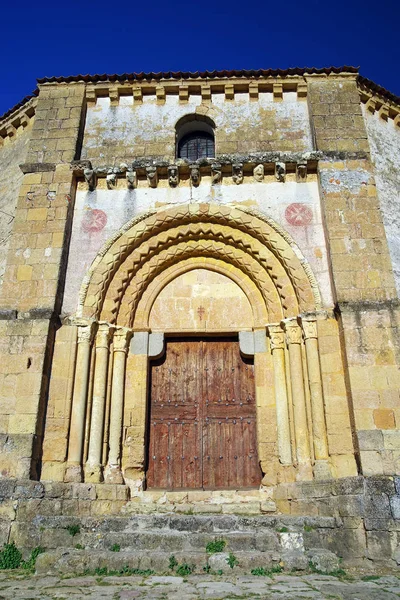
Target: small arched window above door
pixel 195 138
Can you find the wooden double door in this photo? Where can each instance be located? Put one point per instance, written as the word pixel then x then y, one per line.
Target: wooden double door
pixel 202 422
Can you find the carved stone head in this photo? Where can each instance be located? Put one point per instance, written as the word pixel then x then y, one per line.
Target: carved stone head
pixel 195 176
pixel 237 173
pixel 173 175
pixel 258 172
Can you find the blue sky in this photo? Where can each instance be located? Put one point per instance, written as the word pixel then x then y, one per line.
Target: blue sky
pixel 64 38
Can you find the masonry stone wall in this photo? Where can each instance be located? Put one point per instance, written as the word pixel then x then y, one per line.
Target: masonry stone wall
pixel 327 182
pixel 115 133
pixel 12 154
pixel 384 141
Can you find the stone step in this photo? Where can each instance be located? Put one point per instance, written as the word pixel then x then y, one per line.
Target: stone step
pixel 68 561
pixel 191 523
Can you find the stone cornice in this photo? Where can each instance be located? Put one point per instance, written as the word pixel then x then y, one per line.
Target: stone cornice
pixel 17 121
pixel 234 166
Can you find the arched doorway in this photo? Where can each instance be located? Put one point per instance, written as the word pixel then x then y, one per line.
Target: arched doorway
pixel 268 305
pixel 202 431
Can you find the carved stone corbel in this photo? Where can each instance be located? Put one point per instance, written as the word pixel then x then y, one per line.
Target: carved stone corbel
pixel 173 175
pixel 90 178
pixel 111 180
pixel 216 173
pixel 258 172
pixel 280 171
pixel 131 179
pixel 301 172
pixel 152 176
pixel 195 176
pixel 237 173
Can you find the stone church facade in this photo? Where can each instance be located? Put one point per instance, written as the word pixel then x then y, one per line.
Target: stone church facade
pixel 200 293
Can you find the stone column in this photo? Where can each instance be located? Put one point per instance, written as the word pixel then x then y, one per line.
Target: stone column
pixel 79 399
pixel 113 472
pixel 277 337
pixel 293 338
pixel 321 467
pixel 93 468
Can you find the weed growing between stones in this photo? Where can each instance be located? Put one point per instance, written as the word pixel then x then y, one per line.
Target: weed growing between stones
pixel 340 573
pixel 263 572
pixel 172 563
pixel 115 548
pixel 283 530
pixel 206 568
pixel 370 577
pixel 185 569
pixel 73 529
pixel 232 560
pixel 215 546
pixel 11 557
pixel 29 564
pixel 308 528
pixel 79 547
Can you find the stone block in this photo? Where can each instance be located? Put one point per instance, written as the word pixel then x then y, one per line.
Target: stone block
pixel 379 545
pixel 322 560
pixel 250 508
pixel 29 490
pixel 384 418
pixel 370 440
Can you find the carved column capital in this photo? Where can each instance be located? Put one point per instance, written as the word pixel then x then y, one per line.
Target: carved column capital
pixel 277 336
pixel 122 338
pixel 309 325
pixel 104 334
pixel 293 331
pixel 86 333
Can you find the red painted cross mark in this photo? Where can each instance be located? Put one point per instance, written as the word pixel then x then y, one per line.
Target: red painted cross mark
pixel 94 220
pixel 298 215
pixel 201 312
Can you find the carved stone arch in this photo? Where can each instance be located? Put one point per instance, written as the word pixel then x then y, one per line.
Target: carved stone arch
pixel 132 237
pixel 250 269
pixel 234 246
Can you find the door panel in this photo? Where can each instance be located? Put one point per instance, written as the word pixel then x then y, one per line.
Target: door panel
pixel 202 417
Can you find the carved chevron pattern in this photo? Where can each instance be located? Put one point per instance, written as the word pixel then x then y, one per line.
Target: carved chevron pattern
pixel 164 229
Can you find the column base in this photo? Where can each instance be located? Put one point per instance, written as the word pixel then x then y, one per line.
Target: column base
pixel 93 473
pixel 304 472
pixel 322 470
pixel 73 474
pixel 112 474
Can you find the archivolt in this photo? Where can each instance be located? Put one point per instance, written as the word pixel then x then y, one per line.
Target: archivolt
pixel 145 246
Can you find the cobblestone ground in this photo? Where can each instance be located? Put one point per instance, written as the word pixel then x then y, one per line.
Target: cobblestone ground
pixel 280 587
